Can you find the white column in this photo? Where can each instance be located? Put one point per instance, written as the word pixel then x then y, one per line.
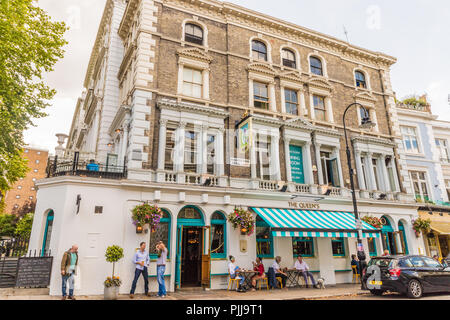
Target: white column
pixel 329 109
pixel 123 148
pixel 180 78
pixel 386 183
pixel 272 98
pixel 287 158
pixel 179 160
pixel 371 174
pixel 253 155
pixel 373 118
pixel 307 161
pixel 251 96
pixel 275 157
pixel 394 172
pixel 204 150
pixel 319 164
pixel 283 101
pixel 302 102
pixel 359 170
pixel 162 144
pixel 339 165
pixel 205 84
pixel 311 107
pixel 220 159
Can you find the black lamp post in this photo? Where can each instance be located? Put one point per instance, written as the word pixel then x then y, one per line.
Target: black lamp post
pixel 365 123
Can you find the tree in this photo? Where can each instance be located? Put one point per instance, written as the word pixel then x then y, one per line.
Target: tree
pixel 27 207
pixel 23 228
pixel 30 45
pixel 8 224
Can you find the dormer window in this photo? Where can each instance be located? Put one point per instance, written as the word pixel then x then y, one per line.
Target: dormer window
pixel 316 66
pixel 288 58
pixel 259 50
pixel 360 79
pixel 193 34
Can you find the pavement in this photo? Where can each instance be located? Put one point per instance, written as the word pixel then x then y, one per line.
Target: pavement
pixel 336 292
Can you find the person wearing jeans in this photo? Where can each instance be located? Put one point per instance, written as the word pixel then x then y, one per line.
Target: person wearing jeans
pixel 68 269
pixel 141 260
pixel 161 268
pixel 303 267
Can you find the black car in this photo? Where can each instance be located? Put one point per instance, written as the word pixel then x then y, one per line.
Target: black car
pixel 411 275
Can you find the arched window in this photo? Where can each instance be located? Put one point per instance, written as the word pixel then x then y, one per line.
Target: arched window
pixel 47 232
pixel 193 33
pixel 288 58
pixel 404 242
pixel 218 236
pixel 162 233
pixel 360 79
pixel 316 66
pixel 259 50
pixel 264 239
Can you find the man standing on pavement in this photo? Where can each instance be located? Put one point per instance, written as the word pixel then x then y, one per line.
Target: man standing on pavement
pixel 69 265
pixel 302 266
pixel 141 260
pixel 161 268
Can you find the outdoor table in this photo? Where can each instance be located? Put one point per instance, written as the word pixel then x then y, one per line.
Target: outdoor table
pixel 247 275
pixel 293 277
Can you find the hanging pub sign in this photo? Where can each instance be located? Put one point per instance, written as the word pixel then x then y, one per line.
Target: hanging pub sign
pixel 244 129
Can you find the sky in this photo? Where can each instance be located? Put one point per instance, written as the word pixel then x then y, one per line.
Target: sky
pixel 416 32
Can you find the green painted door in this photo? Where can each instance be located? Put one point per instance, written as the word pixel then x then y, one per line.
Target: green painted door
pixel 296 158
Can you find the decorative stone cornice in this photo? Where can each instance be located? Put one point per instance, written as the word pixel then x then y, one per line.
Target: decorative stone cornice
pixel 263 68
pixel 364 96
pixel 291 76
pixel 320 83
pixel 327 132
pixel 119 118
pixel 196 54
pixel 373 140
pixel 299 123
pixel 127 19
pixel 165 103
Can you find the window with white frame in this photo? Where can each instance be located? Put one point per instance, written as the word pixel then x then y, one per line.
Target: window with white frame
pixel 376 174
pixel 259 50
pixel 190 150
pixel 389 161
pixel 442 146
pixel 364 171
pixel 291 101
pixel 316 66
pixel 193 33
pixel 261 95
pixel 360 80
pixel 330 171
pixel 263 156
pixel 170 148
pixel 192 82
pixel 319 108
pixel 211 153
pixel 420 186
pixel 410 140
pixel 288 58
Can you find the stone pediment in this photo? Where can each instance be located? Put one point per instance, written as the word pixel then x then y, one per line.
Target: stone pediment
pixel 365 96
pixel 196 54
pixel 262 68
pixel 299 123
pixel 320 83
pixel 291 76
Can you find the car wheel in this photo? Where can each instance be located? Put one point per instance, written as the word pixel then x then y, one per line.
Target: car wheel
pixel 415 290
pixel 377 292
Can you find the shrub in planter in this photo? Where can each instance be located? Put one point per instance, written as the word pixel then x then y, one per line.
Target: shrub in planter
pixel 147 214
pixel 243 220
pixel 421 225
pixel 112 284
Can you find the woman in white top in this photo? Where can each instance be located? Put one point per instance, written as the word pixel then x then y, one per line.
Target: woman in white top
pixel 233 270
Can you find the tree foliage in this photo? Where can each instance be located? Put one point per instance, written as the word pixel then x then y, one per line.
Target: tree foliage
pixel 23 227
pixel 30 45
pixel 8 224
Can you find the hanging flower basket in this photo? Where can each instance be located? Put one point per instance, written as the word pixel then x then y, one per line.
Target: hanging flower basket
pixel 373 221
pixel 243 220
pixel 421 225
pixel 147 214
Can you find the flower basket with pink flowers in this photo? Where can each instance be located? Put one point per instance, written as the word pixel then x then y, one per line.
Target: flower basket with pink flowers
pixel 147 214
pixel 243 220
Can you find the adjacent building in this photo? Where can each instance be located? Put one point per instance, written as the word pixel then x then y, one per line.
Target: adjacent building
pixel 204 106
pixel 22 195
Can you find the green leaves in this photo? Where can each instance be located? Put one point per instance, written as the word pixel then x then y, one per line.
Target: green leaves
pixel 23 228
pixel 7 225
pixel 114 253
pixel 30 45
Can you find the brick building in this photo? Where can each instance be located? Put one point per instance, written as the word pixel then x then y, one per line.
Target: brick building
pixel 23 192
pixel 171 88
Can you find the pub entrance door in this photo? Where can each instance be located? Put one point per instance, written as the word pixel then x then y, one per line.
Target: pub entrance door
pixel 191 258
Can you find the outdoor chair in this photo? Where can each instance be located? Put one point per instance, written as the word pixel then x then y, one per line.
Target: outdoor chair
pixel 231 282
pixel 264 281
pixel 356 275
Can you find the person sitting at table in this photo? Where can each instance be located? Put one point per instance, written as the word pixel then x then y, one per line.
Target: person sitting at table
pixel 259 267
pixel 355 263
pixel 234 270
pixel 302 266
pixel 278 272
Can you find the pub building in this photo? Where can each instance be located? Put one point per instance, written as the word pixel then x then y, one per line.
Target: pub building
pixel 201 107
pixel 437 240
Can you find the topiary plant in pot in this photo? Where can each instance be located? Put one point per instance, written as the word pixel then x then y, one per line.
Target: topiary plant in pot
pixel 112 284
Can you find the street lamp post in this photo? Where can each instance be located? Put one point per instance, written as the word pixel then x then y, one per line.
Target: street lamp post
pixel 365 123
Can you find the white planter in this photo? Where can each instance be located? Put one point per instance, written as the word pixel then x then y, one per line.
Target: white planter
pixel 111 293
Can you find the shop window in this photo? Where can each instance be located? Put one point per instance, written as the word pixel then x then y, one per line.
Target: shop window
pixel 218 236
pixel 162 233
pixel 372 247
pixel 303 247
pixel 338 247
pixel 264 239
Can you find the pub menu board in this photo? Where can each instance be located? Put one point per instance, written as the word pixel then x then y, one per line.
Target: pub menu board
pixel 34 272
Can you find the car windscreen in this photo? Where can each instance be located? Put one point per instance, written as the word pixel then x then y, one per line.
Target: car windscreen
pixel 381 262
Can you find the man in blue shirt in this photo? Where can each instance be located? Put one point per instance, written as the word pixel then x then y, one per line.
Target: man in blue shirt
pixel 142 261
pixel 92 166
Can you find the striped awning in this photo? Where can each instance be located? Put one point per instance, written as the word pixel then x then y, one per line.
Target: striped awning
pixel 312 223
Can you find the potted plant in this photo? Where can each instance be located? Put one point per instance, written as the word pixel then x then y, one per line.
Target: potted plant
pixel 373 221
pixel 243 220
pixel 421 225
pixel 112 284
pixel 146 214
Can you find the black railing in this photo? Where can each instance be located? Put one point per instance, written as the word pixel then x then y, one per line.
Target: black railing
pixel 13 247
pixel 84 168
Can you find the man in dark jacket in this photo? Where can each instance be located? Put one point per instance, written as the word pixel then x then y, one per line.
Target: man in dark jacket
pixel 69 265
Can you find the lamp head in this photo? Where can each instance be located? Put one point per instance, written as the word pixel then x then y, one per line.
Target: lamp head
pixel 366 123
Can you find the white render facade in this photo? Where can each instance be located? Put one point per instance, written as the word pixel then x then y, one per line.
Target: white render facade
pixel 117 115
